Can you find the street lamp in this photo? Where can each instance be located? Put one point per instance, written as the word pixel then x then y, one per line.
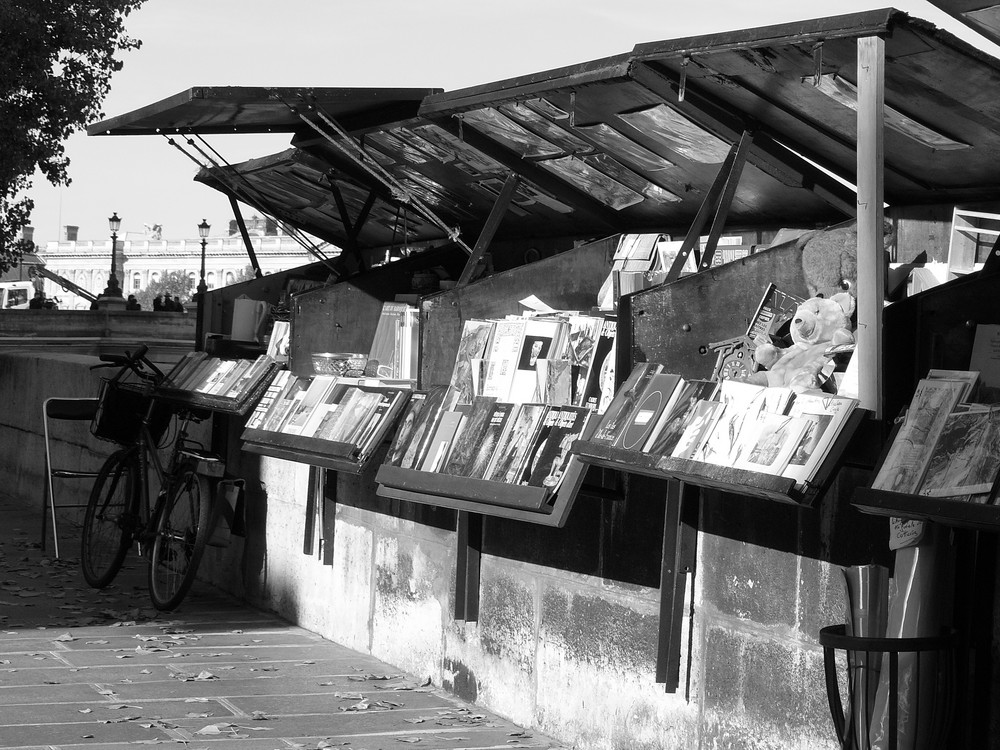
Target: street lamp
pixel 113 290
pixel 203 230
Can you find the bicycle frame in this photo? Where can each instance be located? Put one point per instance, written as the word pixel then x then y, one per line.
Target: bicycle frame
pixel 149 457
pixel 174 528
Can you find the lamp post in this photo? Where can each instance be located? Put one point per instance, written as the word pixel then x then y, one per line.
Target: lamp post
pixel 203 230
pixel 111 298
pixel 113 290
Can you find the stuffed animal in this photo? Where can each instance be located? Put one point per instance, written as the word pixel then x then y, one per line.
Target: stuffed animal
pixel 818 324
pixel 830 258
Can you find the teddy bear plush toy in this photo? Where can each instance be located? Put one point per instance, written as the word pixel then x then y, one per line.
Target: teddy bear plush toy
pixel 818 323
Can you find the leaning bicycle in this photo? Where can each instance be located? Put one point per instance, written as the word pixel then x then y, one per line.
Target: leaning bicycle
pixel 172 530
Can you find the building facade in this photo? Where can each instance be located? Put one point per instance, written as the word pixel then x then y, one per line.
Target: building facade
pixel 142 262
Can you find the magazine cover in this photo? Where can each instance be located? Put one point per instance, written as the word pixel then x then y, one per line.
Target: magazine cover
pixel 441 442
pixel 332 422
pixel 471 349
pixel 513 449
pixel 676 416
pixel 404 431
pixel 702 421
pixel 284 402
pixel 502 364
pixel 537 343
pixel 350 426
pixel 555 381
pixel 966 459
pixel 654 399
pixel 385 411
pixel 314 395
pixel 826 415
pixel 584 330
pixel 469 441
pixel 256 418
pixel 600 386
pixel 616 416
pixel 423 428
pixel 768 443
pixel 546 465
pixel 495 431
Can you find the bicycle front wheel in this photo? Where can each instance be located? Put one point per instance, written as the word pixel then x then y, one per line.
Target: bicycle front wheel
pixel 110 519
pixel 182 531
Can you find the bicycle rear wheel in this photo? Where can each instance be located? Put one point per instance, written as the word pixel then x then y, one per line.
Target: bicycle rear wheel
pixel 110 519
pixel 182 531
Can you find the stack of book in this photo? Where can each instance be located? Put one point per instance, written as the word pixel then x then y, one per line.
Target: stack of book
pixel 214 382
pixel 355 414
pixel 764 429
pixel 500 441
pixel 946 446
pixel 560 358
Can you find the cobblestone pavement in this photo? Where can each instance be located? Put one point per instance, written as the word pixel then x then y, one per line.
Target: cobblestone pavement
pixel 81 668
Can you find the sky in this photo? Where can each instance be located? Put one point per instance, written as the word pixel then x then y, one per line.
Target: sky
pixel 444 44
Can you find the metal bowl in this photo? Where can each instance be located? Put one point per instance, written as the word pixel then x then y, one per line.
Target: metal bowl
pixel 339 363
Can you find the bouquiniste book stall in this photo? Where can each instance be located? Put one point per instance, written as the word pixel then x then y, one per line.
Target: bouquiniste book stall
pixel 352 359
pixel 503 367
pixel 336 409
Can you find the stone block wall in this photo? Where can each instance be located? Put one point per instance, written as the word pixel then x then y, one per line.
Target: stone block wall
pixel 26 380
pixel 569 654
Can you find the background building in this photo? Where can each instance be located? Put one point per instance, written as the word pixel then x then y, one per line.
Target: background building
pixel 142 262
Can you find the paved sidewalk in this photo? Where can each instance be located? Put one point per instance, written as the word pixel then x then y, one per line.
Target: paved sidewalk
pixel 101 669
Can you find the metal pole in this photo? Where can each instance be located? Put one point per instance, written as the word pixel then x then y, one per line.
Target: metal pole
pixel 114 289
pixel 199 343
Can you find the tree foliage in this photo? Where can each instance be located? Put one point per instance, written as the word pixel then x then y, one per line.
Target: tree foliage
pixel 177 284
pixel 56 62
pixel 246 274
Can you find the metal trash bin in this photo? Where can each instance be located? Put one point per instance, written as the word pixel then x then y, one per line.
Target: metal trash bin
pixel 865 658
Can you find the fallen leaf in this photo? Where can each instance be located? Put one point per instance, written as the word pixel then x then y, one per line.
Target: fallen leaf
pixel 214 728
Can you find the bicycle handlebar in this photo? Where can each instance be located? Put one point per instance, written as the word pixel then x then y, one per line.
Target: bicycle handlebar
pixel 136 362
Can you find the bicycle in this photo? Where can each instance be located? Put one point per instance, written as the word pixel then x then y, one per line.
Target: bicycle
pixel 175 529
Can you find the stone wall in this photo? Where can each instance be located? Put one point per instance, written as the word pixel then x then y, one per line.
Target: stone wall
pixel 569 654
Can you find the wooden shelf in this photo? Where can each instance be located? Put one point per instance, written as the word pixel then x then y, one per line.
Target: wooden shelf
pixel 724 478
pixel 727 479
pixel 221 404
pixel 305 450
pixel 531 504
pixel 940 510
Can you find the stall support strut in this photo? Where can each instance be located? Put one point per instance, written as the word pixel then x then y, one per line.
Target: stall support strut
pixel 469 543
pixel 716 205
pixel 490 228
pixel 680 539
pixel 245 235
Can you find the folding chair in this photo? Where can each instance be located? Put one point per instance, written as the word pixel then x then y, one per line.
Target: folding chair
pixel 78 409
